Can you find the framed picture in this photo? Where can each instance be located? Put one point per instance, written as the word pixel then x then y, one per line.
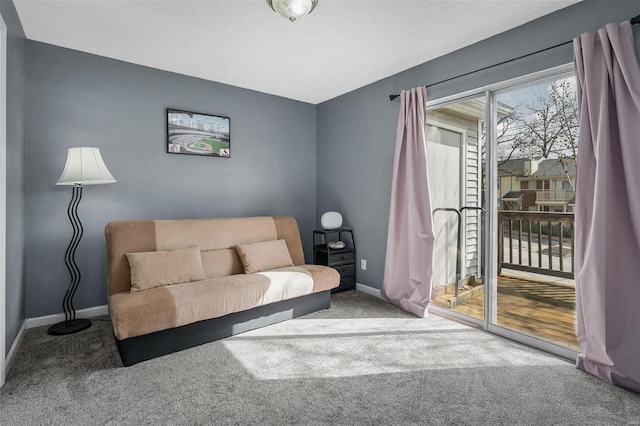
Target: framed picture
pixel 195 133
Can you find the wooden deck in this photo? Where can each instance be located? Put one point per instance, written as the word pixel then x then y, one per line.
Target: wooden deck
pixel 542 309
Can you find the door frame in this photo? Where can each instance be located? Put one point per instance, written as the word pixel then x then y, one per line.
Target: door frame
pixel 491 215
pixel 3 197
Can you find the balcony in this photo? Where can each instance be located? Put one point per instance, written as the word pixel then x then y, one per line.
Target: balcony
pixel 538 307
pixel 554 197
pixel 537 242
pixel 536 291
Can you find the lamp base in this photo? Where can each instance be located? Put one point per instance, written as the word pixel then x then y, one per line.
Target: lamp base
pixel 69 327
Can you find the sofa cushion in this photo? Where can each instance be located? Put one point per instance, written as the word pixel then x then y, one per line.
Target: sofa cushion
pixel 286 283
pixel 221 296
pixel 324 277
pixel 221 263
pixel 287 229
pixel 213 234
pixel 263 256
pixel 160 268
pixel 142 312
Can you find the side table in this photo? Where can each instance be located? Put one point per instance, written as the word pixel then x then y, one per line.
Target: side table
pixel 343 260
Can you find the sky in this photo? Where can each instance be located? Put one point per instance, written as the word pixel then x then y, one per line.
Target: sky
pixel 520 94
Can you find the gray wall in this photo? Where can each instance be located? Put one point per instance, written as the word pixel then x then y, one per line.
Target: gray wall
pixel 356 131
pixel 78 99
pixel 15 282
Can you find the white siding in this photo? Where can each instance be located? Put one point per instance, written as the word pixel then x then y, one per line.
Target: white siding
pixel 472 198
pixel 469 191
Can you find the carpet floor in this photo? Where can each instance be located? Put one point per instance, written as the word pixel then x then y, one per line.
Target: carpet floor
pixel 363 361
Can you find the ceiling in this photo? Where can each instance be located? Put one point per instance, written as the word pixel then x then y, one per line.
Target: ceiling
pixel 341 46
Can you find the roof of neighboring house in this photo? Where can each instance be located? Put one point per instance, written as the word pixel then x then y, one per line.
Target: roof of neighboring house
pixel 549 168
pixel 554 167
pixel 514 167
pixel 512 195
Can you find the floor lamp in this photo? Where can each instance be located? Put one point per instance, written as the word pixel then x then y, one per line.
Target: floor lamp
pixel 84 167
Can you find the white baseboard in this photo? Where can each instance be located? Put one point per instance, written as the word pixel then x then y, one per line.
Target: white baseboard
pixel 369 290
pixel 14 347
pixel 56 318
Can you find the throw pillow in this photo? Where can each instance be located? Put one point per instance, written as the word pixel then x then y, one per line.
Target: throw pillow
pixel 159 268
pixel 257 257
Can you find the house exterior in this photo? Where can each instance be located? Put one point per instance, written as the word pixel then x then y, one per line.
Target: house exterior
pixel 537 184
pixel 454 154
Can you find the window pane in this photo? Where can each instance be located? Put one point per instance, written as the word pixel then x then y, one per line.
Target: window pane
pixel 537 142
pixel 455 138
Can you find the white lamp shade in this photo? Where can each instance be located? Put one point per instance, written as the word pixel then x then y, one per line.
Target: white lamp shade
pixel 85 167
pixel 331 220
pixel 293 9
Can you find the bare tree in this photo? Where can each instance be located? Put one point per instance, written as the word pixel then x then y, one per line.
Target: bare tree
pixel 546 126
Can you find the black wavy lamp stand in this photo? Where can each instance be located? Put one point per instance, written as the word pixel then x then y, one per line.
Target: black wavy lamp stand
pixel 84 167
pixel 71 324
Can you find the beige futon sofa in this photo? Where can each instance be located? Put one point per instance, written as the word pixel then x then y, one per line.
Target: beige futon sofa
pixel 174 284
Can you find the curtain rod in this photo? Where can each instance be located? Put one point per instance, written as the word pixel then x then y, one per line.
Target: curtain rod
pixel 633 21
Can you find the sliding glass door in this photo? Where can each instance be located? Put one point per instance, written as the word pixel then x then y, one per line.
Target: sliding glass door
pixel 502 170
pixel 536 147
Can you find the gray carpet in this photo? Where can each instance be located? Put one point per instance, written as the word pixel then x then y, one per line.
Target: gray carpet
pixel 362 361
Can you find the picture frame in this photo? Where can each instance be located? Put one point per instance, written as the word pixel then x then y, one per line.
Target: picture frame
pixel 196 133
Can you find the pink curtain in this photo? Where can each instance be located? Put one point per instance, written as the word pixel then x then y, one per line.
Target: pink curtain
pixel 608 206
pixel 408 266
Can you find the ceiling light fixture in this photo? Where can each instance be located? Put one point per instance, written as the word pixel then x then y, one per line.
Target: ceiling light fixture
pixel 293 9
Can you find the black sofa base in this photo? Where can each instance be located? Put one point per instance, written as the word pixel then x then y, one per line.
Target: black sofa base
pixel 141 348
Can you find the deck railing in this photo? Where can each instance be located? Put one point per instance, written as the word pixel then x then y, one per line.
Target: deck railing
pixel 539 242
pixel 554 195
